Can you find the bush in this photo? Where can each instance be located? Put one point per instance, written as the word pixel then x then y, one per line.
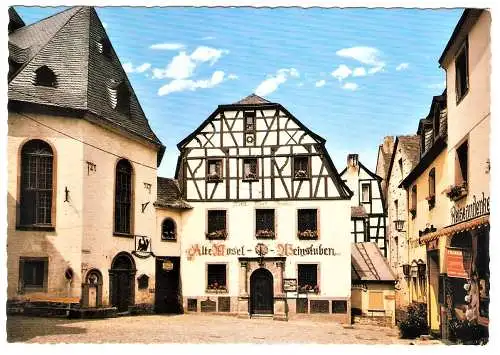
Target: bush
pixel 415 323
pixel 466 332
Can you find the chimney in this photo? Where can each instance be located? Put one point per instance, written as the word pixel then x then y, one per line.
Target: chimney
pixel 352 161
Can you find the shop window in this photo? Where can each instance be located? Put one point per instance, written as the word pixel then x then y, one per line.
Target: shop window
pixel 307 278
pixel 214 170
pixel 216 224
pixel 307 227
pixel 123 197
pixel 36 184
pixel 250 170
pixel 143 282
pixel 365 193
pixel 462 72
pixel 249 122
pixel 44 76
pixel 33 274
pixel 168 229
pixel 461 166
pixel 264 223
pixel 216 277
pixel 301 167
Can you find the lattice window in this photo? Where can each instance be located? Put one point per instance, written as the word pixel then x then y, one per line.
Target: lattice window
pixel 307 277
pixel 123 192
pixel 250 171
pixel 168 229
pixel 301 168
pixel 307 226
pixel 216 277
pixel 36 187
pixel 264 223
pixel 33 273
pixel 44 76
pixel 216 224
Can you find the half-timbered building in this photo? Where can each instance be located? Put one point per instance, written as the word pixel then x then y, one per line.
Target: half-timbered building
pixel 270 217
pixel 368 214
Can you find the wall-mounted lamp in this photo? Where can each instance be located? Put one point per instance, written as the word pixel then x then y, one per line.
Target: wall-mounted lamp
pixel 399 224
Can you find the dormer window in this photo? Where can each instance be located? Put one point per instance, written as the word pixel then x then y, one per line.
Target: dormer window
pixel 44 76
pixel 301 168
pixel 437 117
pixel 104 47
pixel 119 96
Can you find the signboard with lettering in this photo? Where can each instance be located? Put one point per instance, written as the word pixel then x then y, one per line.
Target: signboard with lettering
pixel 476 208
pixel 458 262
pixel 290 285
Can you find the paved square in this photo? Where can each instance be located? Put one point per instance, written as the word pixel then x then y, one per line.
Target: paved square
pixel 196 329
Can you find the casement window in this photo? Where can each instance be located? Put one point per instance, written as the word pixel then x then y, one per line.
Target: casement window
pixel 250 169
pixel 307 277
pixel 168 229
pixel 462 72
pixel 365 192
pixel 216 277
pixel 264 223
pixel 249 118
pixel 307 224
pixel 37 162
pixel 413 209
pixel 216 224
pixel 301 167
pixel 461 166
pixel 33 274
pixel 44 76
pixel 214 170
pixel 123 197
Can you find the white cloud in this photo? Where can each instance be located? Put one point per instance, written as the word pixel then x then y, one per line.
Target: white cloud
pixel 232 76
pixel 366 55
pixel 178 85
pixel 402 66
pixel 273 82
pixel 341 72
pixel 320 83
pixel 129 68
pixel 350 86
pixel 183 65
pixel 359 72
pixel 167 46
pixel 207 38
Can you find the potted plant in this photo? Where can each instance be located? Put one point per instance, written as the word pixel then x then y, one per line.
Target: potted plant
pixel 307 234
pixel 413 212
pixel 456 192
pixel 264 233
pixel 431 200
pixel 301 174
pixel 218 234
pixel 213 177
pixel 250 176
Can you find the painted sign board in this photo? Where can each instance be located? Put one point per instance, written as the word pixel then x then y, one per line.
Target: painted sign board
pixel 290 285
pixel 458 262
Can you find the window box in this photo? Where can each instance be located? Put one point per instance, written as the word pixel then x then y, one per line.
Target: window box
pixel 413 212
pixel 264 233
pixel 308 234
pixel 301 167
pixel 431 200
pixel 301 174
pixel 215 288
pixel 214 177
pixel 219 234
pixel 308 289
pixel 457 192
pixel 250 177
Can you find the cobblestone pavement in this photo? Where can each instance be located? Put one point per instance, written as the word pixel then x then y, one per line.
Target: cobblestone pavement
pixel 197 329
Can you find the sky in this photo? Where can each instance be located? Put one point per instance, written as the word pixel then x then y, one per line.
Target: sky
pixel 353 76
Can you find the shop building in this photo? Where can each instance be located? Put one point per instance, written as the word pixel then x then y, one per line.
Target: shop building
pixel 270 217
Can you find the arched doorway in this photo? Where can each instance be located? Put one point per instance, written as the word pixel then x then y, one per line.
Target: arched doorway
pixel 92 289
pixel 122 281
pixel 261 292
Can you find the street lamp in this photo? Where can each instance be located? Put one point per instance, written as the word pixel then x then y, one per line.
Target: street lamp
pixel 399 224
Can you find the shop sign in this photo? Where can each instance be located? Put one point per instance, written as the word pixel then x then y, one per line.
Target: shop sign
pixel 476 208
pixel 290 285
pixel 168 265
pixel 458 262
pixel 142 246
pixel 280 250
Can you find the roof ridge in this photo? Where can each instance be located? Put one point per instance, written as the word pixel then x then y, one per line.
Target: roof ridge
pixel 49 17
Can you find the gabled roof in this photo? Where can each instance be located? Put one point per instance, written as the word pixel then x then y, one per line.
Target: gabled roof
pixel 410 145
pixel 252 99
pixel 368 171
pixel 368 263
pixel 68 43
pixel 15 21
pixel 169 194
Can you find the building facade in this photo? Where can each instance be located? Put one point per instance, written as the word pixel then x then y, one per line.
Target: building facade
pixel 270 216
pixel 367 210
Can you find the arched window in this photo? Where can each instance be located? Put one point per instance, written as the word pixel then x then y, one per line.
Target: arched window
pixel 432 182
pixel 168 229
pixel 123 194
pixel 36 183
pixel 44 76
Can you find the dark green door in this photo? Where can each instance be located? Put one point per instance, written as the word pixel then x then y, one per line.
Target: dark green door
pixel 261 292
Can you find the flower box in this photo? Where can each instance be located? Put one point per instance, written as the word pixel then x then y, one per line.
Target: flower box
pixel 457 192
pixel 431 200
pixel 220 234
pixel 301 174
pixel 250 177
pixel 308 289
pixel 308 234
pixel 264 233
pixel 216 288
pixel 214 177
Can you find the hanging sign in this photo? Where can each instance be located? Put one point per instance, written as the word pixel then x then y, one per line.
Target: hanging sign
pixel 142 246
pixel 290 285
pixel 458 262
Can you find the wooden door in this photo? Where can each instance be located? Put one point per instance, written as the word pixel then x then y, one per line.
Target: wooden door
pixel 261 289
pixel 167 285
pixel 123 291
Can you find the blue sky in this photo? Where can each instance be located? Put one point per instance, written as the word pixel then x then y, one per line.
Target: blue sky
pixel 353 76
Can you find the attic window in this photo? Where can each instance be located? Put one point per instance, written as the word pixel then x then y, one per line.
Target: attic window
pixel 119 96
pixel 44 76
pixel 104 47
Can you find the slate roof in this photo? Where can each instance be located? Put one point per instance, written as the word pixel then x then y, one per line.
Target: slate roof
pixel 368 263
pixel 252 99
pixel 358 212
pixel 169 194
pixel 68 43
pixel 15 21
pixel 411 145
